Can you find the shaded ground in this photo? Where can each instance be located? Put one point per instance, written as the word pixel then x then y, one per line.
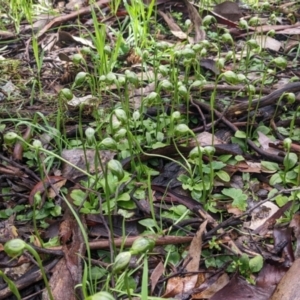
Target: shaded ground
pixel 169 120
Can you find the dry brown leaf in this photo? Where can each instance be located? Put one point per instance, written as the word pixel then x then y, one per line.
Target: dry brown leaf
pixel 265 143
pixel 179 285
pixel 244 167
pixel 136 96
pixel 289 285
pixel 133 58
pixel 239 289
pixel 210 64
pixel 205 139
pixel 19 146
pixel 54 182
pixel 68 271
pixel 280 29
pixel 291 43
pixel 155 275
pixel 192 261
pixel 234 210
pixel 7 229
pixel 65 230
pixel 267 42
pixel 61 283
pixel 55 187
pixel 290 31
pixel 196 20
pixel 174 28
pixel 81 159
pixel 229 10
pixel 213 288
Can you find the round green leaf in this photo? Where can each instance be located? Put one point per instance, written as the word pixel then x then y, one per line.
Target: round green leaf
pixel 290 160
pixel 256 263
pixel 240 134
pixel 223 175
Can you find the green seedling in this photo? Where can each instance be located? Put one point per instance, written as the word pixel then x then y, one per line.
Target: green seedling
pixel 16 247
pixel 247 266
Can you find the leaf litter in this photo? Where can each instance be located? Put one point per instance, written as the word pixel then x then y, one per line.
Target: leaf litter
pixel 229 227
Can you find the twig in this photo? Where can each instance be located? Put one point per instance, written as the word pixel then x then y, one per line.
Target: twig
pixel 263 153
pixel 233 218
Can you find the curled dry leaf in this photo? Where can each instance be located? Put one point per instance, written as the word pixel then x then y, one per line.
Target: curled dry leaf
pixel 210 64
pixel 229 10
pixel 18 148
pixel 179 285
pixel 265 142
pixel 84 160
pixel 174 28
pixel 267 42
pixel 65 231
pixel 53 182
pixel 196 20
pixel 155 275
pixel 214 287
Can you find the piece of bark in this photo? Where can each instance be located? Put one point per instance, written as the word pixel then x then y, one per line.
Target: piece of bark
pixel 289 285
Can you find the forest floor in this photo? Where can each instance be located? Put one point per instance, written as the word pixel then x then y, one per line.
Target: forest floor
pixel 149 150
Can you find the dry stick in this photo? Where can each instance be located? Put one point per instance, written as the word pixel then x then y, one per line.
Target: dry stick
pixel 265 154
pixel 266 100
pixel 275 129
pixel 200 113
pixel 196 207
pixel 208 87
pixel 234 218
pixel 263 29
pixel 61 19
pixel 159 241
pixel 225 111
pixel 205 88
pixel 223 87
pixel 21 167
pixel 28 279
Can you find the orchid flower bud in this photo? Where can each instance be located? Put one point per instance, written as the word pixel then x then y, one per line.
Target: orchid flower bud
pixel 122 261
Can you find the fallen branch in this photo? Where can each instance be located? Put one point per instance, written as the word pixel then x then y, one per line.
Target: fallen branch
pixel 264 101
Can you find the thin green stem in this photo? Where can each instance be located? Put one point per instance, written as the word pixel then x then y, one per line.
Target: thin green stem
pixel 39 261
